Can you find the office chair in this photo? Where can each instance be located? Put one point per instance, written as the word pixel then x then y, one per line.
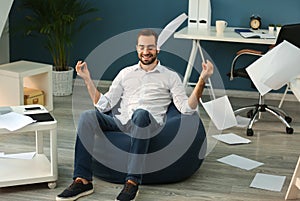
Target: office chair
pixel 289 33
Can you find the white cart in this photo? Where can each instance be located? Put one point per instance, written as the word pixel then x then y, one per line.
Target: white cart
pixel 38 169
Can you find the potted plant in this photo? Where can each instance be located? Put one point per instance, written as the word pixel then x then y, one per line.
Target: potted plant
pixel 58 21
pixel 278 27
pixel 271 28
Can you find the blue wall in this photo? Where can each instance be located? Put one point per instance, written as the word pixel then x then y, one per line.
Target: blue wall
pixel 123 16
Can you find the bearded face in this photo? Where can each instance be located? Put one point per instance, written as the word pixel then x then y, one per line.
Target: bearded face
pixel 147 51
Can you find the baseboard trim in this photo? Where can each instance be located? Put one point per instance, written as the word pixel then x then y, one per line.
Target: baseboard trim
pixel 229 93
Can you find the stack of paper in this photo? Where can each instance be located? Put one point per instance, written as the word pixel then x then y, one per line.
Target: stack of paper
pixel 13 121
pixel 257 35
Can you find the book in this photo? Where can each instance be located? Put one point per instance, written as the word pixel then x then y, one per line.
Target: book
pixel 242 30
pixel 41 117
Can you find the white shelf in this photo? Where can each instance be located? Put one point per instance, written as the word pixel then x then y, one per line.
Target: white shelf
pixel 23 171
pixel 38 169
pixel 17 75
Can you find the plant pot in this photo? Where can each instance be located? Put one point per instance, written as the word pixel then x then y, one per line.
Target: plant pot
pixel 62 82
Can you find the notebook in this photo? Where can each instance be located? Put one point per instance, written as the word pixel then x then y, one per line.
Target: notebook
pixel 41 117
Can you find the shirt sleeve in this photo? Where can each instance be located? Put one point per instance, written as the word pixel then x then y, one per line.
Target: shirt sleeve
pixel 179 96
pixel 103 104
pixel 108 100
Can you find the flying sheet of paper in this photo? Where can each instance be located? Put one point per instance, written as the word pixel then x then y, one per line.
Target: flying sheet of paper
pixel 231 138
pixel 285 67
pixel 275 68
pixel 240 162
pixel 170 29
pixel 26 156
pixel 268 182
pixel 5 7
pixel 242 121
pixel 221 113
pixel 295 87
pixel 13 121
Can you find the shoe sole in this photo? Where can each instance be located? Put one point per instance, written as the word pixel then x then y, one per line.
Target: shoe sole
pixel 137 193
pixel 75 197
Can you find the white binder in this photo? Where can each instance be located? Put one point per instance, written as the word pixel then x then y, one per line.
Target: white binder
pixel 204 14
pixel 193 13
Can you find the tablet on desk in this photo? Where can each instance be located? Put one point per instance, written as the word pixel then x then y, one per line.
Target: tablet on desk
pixel 242 30
pixel 41 117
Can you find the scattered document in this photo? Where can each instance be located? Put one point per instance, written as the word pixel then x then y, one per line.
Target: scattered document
pixel 221 113
pixel 276 68
pixel 231 138
pixel 295 87
pixel 240 162
pixel 242 121
pixel 268 182
pixel 257 35
pixel 4 110
pixel 26 156
pixel 170 29
pixel 13 121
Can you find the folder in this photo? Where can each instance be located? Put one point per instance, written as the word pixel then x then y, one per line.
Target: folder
pixel 204 14
pixel 193 14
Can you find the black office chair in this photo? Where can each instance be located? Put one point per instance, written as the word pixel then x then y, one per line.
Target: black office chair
pixel 289 33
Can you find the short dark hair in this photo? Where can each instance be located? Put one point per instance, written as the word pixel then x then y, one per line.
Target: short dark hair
pixel 147 32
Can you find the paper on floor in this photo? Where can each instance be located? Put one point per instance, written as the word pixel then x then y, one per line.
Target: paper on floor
pixel 27 156
pixel 268 182
pixel 240 162
pixel 232 138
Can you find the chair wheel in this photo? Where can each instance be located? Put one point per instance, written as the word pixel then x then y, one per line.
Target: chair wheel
pixel 288 119
pixel 249 132
pixel 250 114
pixel 289 130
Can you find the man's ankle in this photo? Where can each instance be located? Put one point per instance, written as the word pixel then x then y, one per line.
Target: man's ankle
pixel 83 180
pixel 132 182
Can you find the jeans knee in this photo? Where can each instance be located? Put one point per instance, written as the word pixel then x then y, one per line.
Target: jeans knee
pixel 86 116
pixel 141 118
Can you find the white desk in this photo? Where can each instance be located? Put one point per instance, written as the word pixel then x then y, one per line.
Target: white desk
pixel 39 168
pixel 229 35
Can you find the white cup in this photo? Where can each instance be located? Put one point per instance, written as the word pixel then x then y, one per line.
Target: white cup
pixel 221 25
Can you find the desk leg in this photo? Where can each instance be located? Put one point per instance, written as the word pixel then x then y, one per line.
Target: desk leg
pixel 53 152
pixel 294 187
pixel 190 64
pixel 39 142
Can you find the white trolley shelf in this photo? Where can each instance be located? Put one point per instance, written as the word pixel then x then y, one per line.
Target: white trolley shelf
pixel 38 169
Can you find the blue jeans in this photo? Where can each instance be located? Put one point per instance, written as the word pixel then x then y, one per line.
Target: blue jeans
pixel 93 122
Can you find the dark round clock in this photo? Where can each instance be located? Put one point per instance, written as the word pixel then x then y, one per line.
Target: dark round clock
pixel 255 22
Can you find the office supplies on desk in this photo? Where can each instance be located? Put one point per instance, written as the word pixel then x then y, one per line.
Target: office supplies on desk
pixel 199 12
pixel 242 30
pixel 41 117
pixel 193 14
pixel 256 35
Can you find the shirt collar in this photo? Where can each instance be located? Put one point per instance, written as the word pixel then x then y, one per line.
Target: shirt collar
pixel 157 68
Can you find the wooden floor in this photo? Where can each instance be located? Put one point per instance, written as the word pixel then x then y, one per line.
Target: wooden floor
pixel 214 181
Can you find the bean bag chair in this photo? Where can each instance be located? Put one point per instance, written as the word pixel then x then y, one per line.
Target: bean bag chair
pixel 179 150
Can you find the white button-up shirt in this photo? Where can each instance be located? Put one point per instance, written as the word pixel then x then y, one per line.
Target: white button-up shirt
pixel 153 91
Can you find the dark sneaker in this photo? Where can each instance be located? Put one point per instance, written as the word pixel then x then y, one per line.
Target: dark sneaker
pixel 76 190
pixel 128 193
